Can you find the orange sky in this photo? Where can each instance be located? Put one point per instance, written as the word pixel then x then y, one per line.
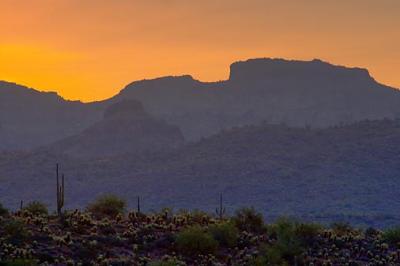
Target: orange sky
pixel 90 49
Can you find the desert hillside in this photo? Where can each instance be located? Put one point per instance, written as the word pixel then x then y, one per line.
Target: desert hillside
pixel 275 168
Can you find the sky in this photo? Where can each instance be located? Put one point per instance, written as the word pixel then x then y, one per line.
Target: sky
pixel 90 49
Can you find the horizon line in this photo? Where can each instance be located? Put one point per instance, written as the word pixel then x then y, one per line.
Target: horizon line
pixel 54 91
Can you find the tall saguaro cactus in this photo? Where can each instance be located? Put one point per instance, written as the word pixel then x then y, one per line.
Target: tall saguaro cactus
pixel 60 192
pixel 221 210
pixel 138 204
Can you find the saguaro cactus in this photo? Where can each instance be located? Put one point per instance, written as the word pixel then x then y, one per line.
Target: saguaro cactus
pixel 60 192
pixel 138 204
pixel 221 210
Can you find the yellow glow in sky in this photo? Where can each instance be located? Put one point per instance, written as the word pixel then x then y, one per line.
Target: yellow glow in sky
pixel 90 49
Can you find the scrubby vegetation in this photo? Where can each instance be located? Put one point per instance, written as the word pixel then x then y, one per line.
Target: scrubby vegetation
pixel 247 219
pixel 3 211
pixel 226 233
pixel 105 234
pixel 392 236
pixel 36 208
pixel 196 240
pixel 107 205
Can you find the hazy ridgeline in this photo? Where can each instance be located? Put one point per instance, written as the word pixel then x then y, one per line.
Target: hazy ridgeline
pixel 308 139
pixel 296 93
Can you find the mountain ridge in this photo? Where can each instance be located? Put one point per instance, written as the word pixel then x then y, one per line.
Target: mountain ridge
pixel 191 78
pixel 297 93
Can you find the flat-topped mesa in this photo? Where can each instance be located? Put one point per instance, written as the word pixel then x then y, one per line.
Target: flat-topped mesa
pixel 267 68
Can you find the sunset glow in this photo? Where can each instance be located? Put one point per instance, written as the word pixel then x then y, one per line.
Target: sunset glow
pixel 89 50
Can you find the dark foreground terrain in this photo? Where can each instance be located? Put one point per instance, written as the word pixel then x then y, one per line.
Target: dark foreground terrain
pixel 104 234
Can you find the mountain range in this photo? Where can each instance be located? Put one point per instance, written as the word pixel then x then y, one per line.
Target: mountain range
pixel 301 138
pixel 296 93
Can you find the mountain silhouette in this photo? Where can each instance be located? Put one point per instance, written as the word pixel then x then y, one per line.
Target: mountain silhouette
pixel 29 118
pixel 296 93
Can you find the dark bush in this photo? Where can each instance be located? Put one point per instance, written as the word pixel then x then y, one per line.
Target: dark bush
pixel 225 233
pixel 107 205
pixel 194 240
pixel 247 219
pixel 18 262
pixel 258 261
pixel 36 208
pixel 198 216
pixel 341 228
pixel 3 211
pixel 15 231
pixel 168 262
pixel 371 232
pixel 392 236
pixel 288 244
pixel 307 232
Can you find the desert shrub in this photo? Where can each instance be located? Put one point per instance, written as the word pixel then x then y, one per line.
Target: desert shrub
pixel 36 208
pixel 3 210
pixel 258 261
pixel 15 231
pixel 107 205
pixel 392 236
pixel 105 227
pixel 18 262
pixel 225 233
pixel 165 213
pixel 371 232
pixel 168 262
pixel 88 251
pixel 307 232
pixel 194 240
pixel 183 212
pixel 288 244
pixel 198 216
pixel 247 219
pixel 341 228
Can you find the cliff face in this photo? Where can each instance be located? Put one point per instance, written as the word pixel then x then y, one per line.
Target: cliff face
pixel 125 129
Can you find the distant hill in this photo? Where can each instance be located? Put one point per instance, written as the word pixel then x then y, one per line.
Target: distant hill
pixel 345 173
pixel 125 128
pixel 29 118
pixel 295 93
